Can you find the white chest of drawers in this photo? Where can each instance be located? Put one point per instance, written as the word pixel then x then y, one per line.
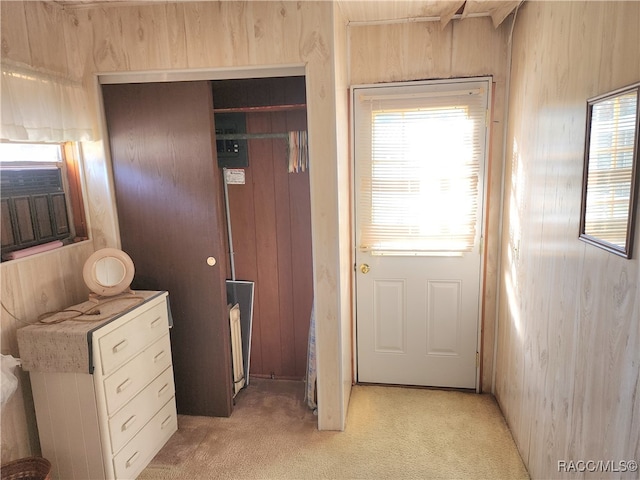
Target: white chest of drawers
pixel 110 423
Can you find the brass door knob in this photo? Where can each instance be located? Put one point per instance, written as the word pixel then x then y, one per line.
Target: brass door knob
pixel 364 268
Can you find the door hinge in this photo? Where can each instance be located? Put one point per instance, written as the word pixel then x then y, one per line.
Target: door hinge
pixel 477 359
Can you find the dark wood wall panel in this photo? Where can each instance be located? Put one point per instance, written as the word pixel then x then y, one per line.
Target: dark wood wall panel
pixel 283 227
pixel 271 226
pixel 301 253
pixel 266 275
pixel 241 200
pixel 259 92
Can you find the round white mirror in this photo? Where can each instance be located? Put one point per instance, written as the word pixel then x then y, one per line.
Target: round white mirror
pixel 108 272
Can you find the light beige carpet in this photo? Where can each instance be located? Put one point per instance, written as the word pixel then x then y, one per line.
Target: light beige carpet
pixel 391 433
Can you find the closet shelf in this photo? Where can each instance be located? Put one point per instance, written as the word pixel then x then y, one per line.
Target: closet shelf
pixel 264 108
pixel 249 136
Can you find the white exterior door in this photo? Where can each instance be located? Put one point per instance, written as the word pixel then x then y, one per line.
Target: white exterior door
pixel 420 154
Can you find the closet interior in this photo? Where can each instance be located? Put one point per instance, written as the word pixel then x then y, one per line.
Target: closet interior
pixel 261 143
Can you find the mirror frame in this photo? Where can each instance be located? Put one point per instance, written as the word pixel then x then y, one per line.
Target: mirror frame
pixel 626 250
pixel 90 278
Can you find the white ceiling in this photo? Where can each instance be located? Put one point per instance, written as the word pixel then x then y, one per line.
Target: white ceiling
pixel 371 11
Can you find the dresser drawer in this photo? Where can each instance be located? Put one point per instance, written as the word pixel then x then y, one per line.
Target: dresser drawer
pixel 124 342
pixel 135 414
pixel 140 450
pixel 123 384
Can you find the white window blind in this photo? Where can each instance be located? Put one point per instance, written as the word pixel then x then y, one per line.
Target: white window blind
pixel 419 162
pixel 612 140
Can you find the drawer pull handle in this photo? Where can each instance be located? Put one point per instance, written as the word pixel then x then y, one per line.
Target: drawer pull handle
pixel 156 322
pixel 163 389
pixel 120 346
pixel 133 458
pixel 126 425
pixel 165 422
pixel 123 385
pixel 158 357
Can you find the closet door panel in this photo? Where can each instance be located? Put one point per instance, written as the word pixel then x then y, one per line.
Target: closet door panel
pixel 168 192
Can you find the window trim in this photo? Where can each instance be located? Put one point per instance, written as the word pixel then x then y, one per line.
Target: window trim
pixel 75 198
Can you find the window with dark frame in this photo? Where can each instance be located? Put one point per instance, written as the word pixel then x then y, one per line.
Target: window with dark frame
pixel 41 197
pixel 609 189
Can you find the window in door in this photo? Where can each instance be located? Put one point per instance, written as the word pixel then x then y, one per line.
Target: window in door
pixel 424 149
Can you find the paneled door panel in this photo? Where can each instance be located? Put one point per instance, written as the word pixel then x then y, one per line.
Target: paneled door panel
pixel 389 316
pixel 443 317
pixel 423 331
pixel 171 217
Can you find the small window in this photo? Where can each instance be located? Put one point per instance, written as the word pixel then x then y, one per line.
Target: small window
pixel 610 170
pixel 41 193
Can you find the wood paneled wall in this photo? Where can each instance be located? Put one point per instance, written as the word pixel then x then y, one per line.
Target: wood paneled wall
pixel 188 35
pixel 568 336
pixel 31 286
pixel 569 333
pixel 423 50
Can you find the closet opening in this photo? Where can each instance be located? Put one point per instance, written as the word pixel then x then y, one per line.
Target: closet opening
pixel 261 143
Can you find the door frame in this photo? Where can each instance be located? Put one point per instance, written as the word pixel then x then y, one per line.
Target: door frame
pixel 183 75
pixel 483 221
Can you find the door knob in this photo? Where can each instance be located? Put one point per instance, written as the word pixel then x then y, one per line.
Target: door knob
pixel 211 261
pixel 364 268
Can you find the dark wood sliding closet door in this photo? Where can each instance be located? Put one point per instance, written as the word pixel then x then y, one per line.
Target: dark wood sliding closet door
pixel 170 211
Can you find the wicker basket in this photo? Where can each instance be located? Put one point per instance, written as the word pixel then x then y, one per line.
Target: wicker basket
pixel 29 468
